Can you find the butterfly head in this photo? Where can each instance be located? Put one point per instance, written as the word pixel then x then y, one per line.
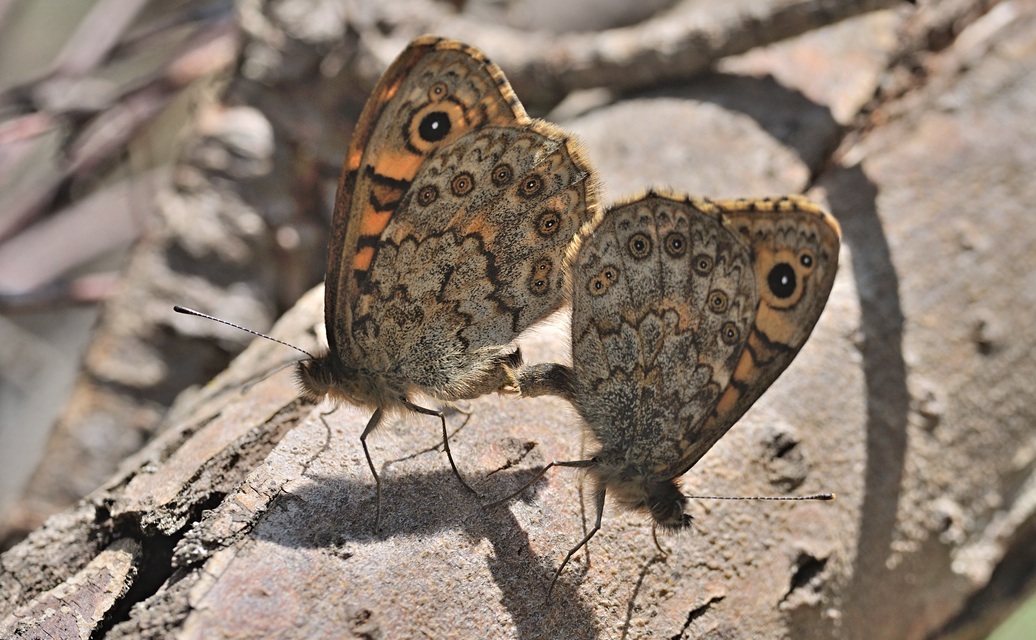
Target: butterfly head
pixel 316 377
pixel 662 499
pixel 328 376
pixel 666 502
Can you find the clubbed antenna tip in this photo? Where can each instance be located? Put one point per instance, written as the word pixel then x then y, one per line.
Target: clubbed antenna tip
pixel 191 312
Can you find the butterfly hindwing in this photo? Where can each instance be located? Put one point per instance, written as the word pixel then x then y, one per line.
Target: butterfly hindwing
pixel 650 354
pixel 485 224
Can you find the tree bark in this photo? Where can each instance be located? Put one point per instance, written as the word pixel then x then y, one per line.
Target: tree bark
pixel 252 513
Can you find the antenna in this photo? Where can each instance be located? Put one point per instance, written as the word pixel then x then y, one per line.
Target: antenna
pixel 812 496
pixel 191 312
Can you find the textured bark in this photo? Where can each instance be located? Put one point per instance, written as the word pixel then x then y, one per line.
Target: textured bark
pixel 251 513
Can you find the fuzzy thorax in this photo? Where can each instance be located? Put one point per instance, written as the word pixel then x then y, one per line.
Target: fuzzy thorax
pixel 328 376
pixel 662 499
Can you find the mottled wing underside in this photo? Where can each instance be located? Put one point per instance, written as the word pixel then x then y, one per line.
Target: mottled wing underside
pixel 453 217
pixel 435 92
pixel 676 327
pixel 485 224
pixel 649 352
pixel 794 245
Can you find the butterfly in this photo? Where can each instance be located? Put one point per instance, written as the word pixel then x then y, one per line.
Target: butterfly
pixel 453 213
pixel 684 311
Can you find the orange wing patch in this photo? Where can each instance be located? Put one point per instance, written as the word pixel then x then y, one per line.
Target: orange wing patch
pixel 435 91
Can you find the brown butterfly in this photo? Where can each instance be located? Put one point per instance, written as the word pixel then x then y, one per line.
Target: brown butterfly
pixel 453 214
pixel 684 311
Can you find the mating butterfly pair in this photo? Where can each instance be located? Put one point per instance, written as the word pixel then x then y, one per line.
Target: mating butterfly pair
pixel 456 221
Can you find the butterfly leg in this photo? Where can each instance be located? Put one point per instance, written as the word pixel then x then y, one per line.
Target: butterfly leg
pixel 597 527
pixel 544 379
pixel 525 486
pixel 445 438
pixel 535 478
pixel 658 545
pixel 371 425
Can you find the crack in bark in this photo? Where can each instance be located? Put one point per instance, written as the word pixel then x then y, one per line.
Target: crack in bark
pixel 696 613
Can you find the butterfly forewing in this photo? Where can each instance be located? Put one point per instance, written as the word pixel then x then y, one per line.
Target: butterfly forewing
pixel 457 211
pixel 794 246
pixel 434 93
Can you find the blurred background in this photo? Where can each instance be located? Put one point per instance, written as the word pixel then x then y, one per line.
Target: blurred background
pixel 94 100
pixel 154 153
